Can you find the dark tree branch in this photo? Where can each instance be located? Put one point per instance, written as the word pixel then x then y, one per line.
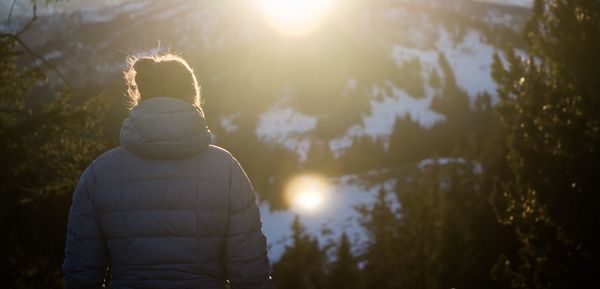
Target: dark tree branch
pixel 10 12
pixel 42 59
pixel 17 38
pixel 31 20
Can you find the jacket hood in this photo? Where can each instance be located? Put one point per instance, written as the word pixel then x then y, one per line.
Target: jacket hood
pixel 165 128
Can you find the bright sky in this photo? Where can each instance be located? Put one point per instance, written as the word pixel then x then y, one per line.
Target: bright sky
pixel 22 6
pixel 293 17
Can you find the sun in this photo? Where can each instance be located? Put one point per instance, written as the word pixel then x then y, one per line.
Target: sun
pixel 307 193
pixel 309 199
pixel 294 17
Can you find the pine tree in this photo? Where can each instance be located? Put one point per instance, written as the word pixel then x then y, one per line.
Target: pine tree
pixel 434 80
pixel 549 129
pixel 453 102
pixel 343 272
pixel 366 153
pixel 44 146
pixel 302 265
pixel 471 238
pixel 420 235
pixel 408 142
pixel 446 237
pixel 381 223
pixel 411 80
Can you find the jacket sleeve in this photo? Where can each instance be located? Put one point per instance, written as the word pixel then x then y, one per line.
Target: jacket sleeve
pixel 246 262
pixel 86 258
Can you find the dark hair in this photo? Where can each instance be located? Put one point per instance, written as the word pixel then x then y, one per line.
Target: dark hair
pixel 160 75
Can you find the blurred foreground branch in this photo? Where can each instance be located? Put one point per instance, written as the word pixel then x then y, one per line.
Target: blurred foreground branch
pixel 16 37
pixel 46 138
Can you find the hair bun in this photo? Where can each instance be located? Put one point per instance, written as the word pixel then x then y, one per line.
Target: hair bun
pixel 161 75
pixel 144 65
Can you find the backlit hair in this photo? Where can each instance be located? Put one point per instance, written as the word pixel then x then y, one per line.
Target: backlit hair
pixel 160 75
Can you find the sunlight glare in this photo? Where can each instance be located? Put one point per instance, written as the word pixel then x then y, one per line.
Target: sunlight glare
pixel 309 199
pixel 295 17
pixel 307 193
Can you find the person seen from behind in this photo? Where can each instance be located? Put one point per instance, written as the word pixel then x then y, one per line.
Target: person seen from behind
pixel 165 209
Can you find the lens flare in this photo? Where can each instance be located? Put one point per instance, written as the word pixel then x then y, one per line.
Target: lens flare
pixel 294 17
pixel 307 193
pixel 309 199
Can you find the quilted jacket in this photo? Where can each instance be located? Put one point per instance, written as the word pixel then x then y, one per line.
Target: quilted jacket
pixel 165 210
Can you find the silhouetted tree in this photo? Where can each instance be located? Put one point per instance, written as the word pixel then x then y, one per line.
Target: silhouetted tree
pixel 471 237
pixel 366 153
pixel 434 80
pixel 343 271
pixel 408 142
pixel 44 146
pixel 381 257
pixel 411 80
pixel 302 265
pixel 549 128
pixel 420 236
pixel 454 103
pixel 448 233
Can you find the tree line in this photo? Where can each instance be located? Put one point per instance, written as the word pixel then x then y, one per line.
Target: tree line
pixel 518 207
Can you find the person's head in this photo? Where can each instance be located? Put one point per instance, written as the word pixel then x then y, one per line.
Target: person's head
pixel 161 75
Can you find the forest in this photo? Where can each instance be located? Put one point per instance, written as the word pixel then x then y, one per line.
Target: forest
pixel 481 188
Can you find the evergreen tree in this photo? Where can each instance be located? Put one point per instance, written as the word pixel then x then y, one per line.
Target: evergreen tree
pixel 44 147
pixel 549 132
pixel 343 272
pixel 302 265
pixel 381 223
pixel 471 237
pixel 411 80
pixel 408 142
pixel 434 80
pixel 422 207
pixel 449 83
pixel 366 153
pixel 446 234
pixel 453 102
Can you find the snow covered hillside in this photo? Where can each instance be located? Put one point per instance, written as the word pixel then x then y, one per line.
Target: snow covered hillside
pixel 352 78
pixel 337 215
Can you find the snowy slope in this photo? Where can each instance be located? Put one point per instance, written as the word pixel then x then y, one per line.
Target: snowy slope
pixel 115 26
pixel 336 216
pixel 522 3
pixel 470 59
